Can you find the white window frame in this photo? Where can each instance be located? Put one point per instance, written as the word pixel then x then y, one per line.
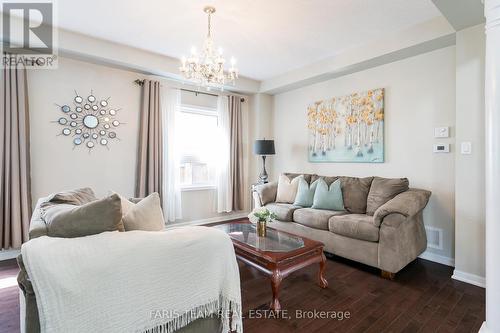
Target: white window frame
pixel 205 111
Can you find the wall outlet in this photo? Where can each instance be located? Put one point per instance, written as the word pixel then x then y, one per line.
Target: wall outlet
pixel 442 132
pixel 466 148
pixel 442 148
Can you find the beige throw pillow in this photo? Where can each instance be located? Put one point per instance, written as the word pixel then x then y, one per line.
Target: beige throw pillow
pixel 383 190
pixel 67 221
pixel 287 189
pixel 145 215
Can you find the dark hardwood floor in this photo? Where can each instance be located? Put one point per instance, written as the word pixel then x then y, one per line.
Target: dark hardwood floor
pixel 9 297
pixel 422 298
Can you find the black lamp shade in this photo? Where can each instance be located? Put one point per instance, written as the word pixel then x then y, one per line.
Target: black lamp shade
pixel 264 147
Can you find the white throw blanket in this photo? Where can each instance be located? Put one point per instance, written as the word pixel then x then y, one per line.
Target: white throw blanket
pixel 134 281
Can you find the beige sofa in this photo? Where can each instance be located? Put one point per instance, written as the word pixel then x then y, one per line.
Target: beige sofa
pixel 388 237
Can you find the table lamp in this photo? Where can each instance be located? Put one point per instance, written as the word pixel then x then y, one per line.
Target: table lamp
pixel 263 148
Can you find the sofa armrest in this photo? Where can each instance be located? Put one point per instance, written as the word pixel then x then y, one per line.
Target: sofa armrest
pixel 266 193
pixel 38 227
pixel 408 203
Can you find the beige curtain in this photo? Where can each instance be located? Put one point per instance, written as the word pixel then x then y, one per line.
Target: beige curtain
pixel 150 153
pixel 236 152
pixel 15 185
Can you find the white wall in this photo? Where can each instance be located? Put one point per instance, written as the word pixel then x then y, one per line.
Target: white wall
pixel 469 169
pixel 57 166
pixel 420 95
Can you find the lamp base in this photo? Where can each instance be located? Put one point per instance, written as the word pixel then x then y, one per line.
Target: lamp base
pixel 263 178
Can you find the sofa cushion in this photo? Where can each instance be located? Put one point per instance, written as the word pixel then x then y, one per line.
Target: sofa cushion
pixel 305 192
pixel 69 221
pixel 287 189
pixel 314 218
pixel 328 197
pixel 355 192
pixel 358 226
pixel 291 176
pixel 283 211
pixel 328 180
pixel 75 197
pixel 267 192
pixel 383 190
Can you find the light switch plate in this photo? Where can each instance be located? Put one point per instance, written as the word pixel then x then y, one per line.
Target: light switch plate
pixel 442 148
pixel 442 132
pixel 466 148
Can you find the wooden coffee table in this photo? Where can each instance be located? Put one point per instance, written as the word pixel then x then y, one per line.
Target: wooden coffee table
pixel 278 254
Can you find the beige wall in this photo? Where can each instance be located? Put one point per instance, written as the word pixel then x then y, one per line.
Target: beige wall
pixel 57 166
pixel 260 127
pixel 420 95
pixel 469 169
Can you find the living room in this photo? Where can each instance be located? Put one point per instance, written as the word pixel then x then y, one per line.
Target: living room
pixel 317 166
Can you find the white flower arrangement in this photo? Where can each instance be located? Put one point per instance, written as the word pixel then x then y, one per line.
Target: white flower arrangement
pixel 261 214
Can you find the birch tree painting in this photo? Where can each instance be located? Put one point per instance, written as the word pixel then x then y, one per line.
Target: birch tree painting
pixel 348 128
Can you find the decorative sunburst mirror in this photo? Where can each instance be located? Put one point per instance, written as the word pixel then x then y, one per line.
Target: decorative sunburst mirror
pixel 90 121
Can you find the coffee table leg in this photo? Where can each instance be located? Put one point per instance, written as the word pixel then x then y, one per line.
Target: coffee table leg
pixel 323 283
pixel 276 279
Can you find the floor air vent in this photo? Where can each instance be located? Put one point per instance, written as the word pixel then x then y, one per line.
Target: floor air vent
pixel 434 237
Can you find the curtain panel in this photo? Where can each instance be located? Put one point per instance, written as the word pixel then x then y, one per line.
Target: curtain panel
pixel 170 108
pixel 230 170
pixel 224 188
pixel 150 168
pixel 15 184
pixel 236 152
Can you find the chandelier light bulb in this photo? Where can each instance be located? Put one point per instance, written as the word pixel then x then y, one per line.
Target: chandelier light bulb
pixel 207 68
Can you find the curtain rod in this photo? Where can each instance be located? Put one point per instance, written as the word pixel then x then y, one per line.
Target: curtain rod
pixel 141 82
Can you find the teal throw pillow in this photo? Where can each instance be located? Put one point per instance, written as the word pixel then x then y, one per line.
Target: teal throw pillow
pixel 328 197
pixel 305 193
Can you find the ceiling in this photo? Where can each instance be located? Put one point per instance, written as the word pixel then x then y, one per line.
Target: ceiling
pixel 469 13
pixel 267 37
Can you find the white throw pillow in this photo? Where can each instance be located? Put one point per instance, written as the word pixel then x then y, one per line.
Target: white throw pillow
pixel 287 189
pixel 145 215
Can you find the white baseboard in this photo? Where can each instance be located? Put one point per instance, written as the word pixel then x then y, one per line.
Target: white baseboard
pixel 469 278
pixel 215 219
pixel 438 258
pixel 9 254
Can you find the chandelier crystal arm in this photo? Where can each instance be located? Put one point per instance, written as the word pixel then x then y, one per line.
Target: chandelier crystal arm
pixel 207 69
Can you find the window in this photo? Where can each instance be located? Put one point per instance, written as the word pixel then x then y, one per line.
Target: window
pixel 197 134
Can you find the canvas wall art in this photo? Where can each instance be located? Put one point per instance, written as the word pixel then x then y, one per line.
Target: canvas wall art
pixel 347 128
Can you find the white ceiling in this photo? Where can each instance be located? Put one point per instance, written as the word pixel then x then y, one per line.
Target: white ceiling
pixel 268 37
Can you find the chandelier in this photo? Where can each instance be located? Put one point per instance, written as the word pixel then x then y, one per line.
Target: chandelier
pixel 207 69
